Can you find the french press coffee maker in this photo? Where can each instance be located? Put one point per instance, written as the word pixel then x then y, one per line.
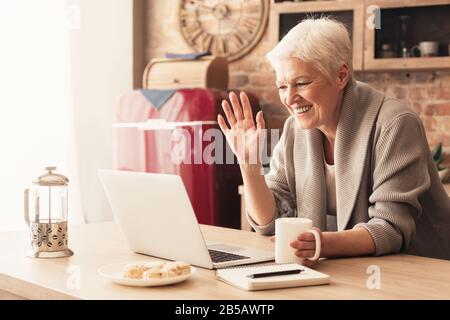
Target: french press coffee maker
pixel 48 219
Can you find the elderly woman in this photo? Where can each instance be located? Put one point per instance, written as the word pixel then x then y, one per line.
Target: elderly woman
pixel 351 159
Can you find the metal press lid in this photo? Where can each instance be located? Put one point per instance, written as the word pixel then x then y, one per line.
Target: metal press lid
pixel 51 179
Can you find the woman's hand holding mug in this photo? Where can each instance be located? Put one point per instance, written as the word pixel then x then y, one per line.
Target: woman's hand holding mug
pixel 296 241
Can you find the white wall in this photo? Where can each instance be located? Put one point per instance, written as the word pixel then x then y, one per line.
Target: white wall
pixel 102 69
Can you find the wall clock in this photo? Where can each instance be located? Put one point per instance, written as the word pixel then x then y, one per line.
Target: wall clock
pixel 226 28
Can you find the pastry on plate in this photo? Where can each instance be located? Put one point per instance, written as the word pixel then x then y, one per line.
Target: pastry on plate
pixel 155 273
pixel 184 267
pixel 156 270
pixel 153 265
pixel 133 271
pixel 177 268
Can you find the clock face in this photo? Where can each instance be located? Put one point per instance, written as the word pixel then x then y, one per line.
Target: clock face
pixel 226 28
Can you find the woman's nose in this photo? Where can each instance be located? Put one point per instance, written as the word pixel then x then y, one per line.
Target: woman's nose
pixel 292 95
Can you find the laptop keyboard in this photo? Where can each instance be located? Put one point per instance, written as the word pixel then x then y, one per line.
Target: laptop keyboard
pixel 220 256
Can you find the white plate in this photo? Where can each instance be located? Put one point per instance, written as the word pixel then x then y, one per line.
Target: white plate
pixel 114 272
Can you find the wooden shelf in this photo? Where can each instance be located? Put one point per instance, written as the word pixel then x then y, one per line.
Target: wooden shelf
pixel 355 7
pixel 363 38
pixel 372 63
pixel 405 3
pixel 326 5
pixel 407 64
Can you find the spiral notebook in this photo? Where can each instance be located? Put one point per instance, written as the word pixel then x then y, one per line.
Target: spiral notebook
pixel 242 276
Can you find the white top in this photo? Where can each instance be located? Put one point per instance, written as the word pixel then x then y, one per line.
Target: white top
pixel 331 197
pixel 331 189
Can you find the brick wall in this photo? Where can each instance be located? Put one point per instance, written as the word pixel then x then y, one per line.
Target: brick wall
pixel 427 92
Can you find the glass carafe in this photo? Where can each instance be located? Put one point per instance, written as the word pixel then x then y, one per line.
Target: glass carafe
pixel 46 205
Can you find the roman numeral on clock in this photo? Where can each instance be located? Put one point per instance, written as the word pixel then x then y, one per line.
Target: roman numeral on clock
pixel 237 38
pixel 187 14
pixel 220 46
pixel 193 30
pixel 250 24
pixel 206 41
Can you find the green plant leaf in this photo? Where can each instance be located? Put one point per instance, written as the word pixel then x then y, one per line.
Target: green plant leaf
pixel 437 152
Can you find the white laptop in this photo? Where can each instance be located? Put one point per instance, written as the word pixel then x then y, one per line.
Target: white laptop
pixel 157 219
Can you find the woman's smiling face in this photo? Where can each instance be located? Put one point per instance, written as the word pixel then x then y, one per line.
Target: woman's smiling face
pixel 307 94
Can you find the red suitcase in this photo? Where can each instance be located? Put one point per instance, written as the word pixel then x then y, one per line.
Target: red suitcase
pixel 212 187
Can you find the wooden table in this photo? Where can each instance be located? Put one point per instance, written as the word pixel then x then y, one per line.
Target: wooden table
pixel 402 276
pixel 246 226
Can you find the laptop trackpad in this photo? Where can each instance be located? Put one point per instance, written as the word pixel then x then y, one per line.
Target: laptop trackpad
pixel 225 247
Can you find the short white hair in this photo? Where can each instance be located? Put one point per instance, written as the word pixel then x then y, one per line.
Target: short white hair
pixel 323 41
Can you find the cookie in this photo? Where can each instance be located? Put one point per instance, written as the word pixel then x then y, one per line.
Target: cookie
pixel 177 268
pixel 155 273
pixel 133 271
pixel 153 265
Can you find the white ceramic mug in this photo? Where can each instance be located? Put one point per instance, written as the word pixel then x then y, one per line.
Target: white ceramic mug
pixel 288 230
pixel 426 49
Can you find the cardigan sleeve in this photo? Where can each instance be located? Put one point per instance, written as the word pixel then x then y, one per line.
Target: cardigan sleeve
pixel 277 181
pixel 400 177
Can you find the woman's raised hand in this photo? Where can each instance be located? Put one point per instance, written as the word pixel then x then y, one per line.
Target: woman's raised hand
pixel 245 139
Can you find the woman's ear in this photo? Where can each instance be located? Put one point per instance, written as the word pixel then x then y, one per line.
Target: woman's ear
pixel 343 76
